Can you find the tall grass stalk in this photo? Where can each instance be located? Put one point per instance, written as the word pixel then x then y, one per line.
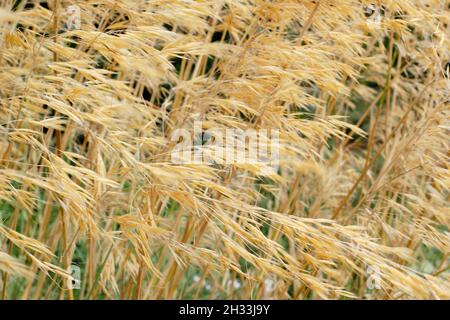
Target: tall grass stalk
pixel 92 93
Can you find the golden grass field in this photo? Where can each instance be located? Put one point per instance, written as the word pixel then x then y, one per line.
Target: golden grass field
pixel 92 205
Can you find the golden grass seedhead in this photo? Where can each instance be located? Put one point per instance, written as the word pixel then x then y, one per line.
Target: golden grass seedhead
pixel 354 205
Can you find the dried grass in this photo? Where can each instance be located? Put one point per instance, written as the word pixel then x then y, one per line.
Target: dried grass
pixel 87 115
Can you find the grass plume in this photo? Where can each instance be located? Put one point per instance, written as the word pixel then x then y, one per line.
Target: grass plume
pixel 359 93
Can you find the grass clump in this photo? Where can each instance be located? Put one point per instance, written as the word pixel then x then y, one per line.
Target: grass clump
pixel 93 91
